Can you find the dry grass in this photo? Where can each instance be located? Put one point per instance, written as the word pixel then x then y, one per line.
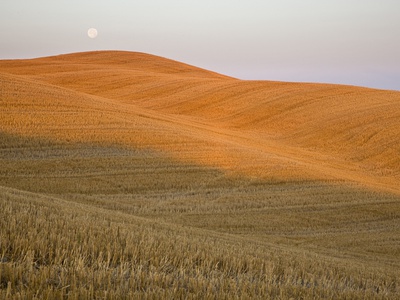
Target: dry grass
pixel 263 129
pixel 96 221
pixel 57 249
pixel 130 176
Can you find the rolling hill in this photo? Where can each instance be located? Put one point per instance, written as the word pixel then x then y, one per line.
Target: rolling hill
pixel 304 130
pixel 303 176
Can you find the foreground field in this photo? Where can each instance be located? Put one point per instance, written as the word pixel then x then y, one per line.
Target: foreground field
pixel 130 176
pixel 93 221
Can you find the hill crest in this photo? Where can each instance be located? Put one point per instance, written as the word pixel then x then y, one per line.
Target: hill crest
pixel 124 60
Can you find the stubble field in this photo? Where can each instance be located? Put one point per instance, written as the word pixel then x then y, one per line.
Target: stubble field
pixel 125 175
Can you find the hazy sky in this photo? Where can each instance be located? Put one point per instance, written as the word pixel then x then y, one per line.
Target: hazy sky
pixel 353 42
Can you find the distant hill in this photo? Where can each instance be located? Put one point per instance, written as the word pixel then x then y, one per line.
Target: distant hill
pixel 286 131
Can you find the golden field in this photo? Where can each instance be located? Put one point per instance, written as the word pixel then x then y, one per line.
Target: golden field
pixel 126 175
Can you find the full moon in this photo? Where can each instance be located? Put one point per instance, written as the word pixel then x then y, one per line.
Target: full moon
pixel 92 33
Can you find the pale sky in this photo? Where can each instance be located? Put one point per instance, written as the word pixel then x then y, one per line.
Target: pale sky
pixel 354 42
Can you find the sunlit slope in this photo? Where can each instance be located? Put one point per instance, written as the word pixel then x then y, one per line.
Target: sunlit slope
pixel 275 130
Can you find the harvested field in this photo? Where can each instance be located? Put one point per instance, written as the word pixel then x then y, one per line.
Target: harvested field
pixel 125 175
